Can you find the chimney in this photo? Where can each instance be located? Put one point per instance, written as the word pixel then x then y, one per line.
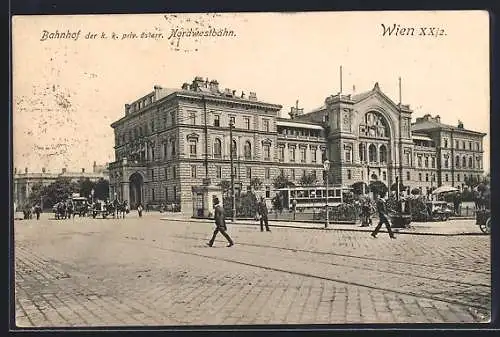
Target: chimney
pixel 127 109
pixel 460 124
pixel 95 163
pixel 437 119
pixel 234 93
pixel 185 86
pixel 15 170
pixel 83 170
pixel 43 169
pixel 242 94
pixel 214 86
pixel 197 83
pixel 64 170
pixel 227 92
pixel 25 170
pixel 252 96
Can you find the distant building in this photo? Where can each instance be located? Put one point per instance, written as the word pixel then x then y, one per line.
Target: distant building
pixel 172 139
pixel 24 181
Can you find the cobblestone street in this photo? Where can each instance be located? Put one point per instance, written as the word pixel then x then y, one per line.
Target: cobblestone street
pixel 144 271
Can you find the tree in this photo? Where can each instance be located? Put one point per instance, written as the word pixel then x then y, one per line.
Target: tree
pixel 415 191
pixel 308 179
pixel 36 194
pixel 59 190
pixel 378 187
pixel 256 184
pixel 85 187
pixel 225 185
pixel 281 181
pixel 357 187
pixel 101 189
pixel 401 187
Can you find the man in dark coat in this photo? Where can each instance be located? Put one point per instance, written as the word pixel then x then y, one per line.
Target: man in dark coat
pixel 38 210
pixel 262 211
pixel 220 224
pixel 383 217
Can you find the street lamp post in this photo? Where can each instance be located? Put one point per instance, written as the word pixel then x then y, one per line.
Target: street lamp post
pixel 313 196
pixel 233 199
pixel 326 167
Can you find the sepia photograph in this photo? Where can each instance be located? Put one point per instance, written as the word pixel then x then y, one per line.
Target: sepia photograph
pixel 242 169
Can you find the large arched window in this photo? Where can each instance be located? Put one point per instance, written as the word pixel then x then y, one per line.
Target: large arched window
pixel 217 148
pixel 372 153
pixel 362 152
pixel 457 161
pixel 383 154
pixel 464 161
pixel 375 125
pixel 248 150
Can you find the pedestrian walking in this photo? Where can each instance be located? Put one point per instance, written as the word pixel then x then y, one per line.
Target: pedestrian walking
pixel 220 224
pixel 38 210
pixel 365 213
pixel 139 209
pixel 263 215
pixel 383 217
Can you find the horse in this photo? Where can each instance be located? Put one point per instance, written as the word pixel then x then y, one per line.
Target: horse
pixel 122 209
pixel 60 210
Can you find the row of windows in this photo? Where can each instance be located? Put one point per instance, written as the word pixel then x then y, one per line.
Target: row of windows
pixel 292 154
pixel 300 132
pixel 472 145
pixel 464 163
pixel 167 196
pixel 266 125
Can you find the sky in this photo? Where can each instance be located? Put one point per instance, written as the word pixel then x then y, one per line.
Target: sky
pixel 67 91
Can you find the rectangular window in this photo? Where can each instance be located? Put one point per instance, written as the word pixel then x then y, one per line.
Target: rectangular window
pixel 152 174
pixel 463 144
pixel 267 152
pixel 281 153
pixel 172 118
pixel 420 176
pixel 193 171
pixel 433 162
pixel 175 193
pixel 192 148
pixel 446 177
pixel 302 155
pixel 166 173
pixel 293 173
pixel 218 171
pixel 217 120
pixel 384 175
pixel 247 123
pixel 349 176
pixel 456 144
pixel 249 172
pixel 267 173
pixel 314 157
pixel 445 143
pixel 174 172
pixel 427 177
pixel 292 154
pixel 268 192
pixel 166 194
pixel 153 194
pixel 192 117
pixel 266 124
pixel 426 161
pixel 458 177
pixel 470 145
pixel 232 120
pixel 408 175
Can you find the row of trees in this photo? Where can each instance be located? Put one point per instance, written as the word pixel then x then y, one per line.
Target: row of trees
pixel 63 188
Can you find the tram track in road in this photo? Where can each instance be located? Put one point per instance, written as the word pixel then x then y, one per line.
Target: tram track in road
pixel 312 275
pixel 371 259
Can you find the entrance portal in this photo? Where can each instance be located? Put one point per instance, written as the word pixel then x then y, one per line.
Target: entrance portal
pixel 136 189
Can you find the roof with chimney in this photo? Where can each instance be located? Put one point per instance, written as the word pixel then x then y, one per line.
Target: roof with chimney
pixel 428 123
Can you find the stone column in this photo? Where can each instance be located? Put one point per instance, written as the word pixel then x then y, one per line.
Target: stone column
pixel 125 191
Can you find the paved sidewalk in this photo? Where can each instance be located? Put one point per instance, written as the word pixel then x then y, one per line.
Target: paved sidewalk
pixel 450 227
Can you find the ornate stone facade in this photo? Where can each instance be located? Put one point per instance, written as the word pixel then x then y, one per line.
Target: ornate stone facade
pixel 173 139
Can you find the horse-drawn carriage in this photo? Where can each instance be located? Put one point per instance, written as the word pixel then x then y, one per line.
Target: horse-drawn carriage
pixel 105 209
pixel 100 208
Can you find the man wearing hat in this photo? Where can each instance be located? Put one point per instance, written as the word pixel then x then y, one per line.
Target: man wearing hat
pixel 220 224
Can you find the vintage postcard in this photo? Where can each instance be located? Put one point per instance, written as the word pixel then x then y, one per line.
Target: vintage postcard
pixel 251 169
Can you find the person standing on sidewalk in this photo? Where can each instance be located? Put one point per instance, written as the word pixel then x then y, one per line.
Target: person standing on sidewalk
pixel 263 214
pixel 139 209
pixel 220 224
pixel 383 217
pixel 38 210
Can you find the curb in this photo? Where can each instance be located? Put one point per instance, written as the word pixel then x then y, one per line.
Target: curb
pixel 397 231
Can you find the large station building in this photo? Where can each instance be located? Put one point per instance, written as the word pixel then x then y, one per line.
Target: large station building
pixel 172 139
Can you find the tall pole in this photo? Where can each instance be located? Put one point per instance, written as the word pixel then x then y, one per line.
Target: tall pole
pixel 400 180
pixel 341 79
pixel 233 198
pixel 326 166
pixel 206 136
